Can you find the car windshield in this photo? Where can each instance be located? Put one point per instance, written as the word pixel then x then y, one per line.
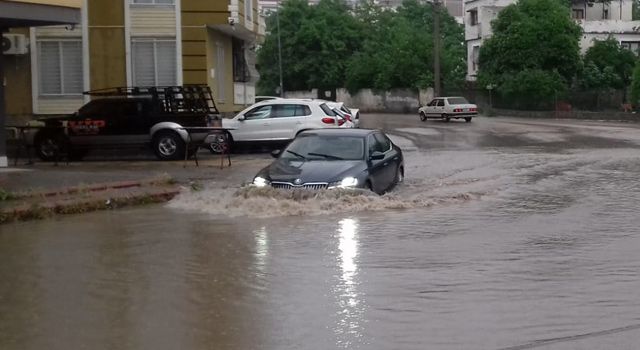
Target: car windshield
pixel 457 101
pixel 317 147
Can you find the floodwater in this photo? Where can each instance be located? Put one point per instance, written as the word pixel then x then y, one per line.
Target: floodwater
pixel 507 234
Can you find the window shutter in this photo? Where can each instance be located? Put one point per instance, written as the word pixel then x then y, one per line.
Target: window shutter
pixel 143 63
pixel 49 59
pixel 166 62
pixel 72 67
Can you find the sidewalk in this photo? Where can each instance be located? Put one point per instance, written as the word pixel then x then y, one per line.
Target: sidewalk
pixel 44 189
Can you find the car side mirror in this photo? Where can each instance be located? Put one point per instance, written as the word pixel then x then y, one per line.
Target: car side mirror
pixel 377 155
pixel 241 118
pixel 276 153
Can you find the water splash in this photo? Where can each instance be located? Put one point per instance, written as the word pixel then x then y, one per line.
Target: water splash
pixel 269 202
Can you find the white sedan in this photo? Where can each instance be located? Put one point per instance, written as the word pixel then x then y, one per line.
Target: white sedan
pixel 447 108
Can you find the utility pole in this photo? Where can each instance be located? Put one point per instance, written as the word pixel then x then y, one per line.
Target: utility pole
pixel 279 49
pixel 436 47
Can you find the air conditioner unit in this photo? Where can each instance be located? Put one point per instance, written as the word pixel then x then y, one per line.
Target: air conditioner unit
pixel 14 44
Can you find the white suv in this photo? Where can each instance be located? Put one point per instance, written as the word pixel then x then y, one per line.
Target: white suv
pixel 279 120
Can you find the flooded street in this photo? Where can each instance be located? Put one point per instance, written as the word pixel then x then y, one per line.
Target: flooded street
pixel 507 234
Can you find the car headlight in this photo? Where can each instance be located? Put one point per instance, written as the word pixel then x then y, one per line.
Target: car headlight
pixel 347 182
pixel 259 181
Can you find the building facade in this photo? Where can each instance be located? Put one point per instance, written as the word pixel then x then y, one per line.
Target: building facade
pixel 599 20
pixel 17 14
pixel 139 43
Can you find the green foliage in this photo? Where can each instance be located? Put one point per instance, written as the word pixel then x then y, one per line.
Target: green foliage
pixel 636 10
pixel 398 49
pixel 316 43
pixel 534 51
pixel 635 86
pixel 530 88
pixel 328 46
pixel 593 77
pixel 613 63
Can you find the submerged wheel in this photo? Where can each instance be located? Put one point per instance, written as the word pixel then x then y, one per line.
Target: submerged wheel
pixel 399 176
pixel 168 145
pixel 48 146
pixel 423 116
pixel 467 119
pixel 446 118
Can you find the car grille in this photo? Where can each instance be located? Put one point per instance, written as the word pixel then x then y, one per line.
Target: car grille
pixel 308 186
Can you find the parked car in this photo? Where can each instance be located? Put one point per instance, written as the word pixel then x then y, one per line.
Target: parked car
pixel 279 121
pixel 129 117
pixel 448 108
pixel 336 158
pixel 265 98
pixel 348 120
pixel 351 114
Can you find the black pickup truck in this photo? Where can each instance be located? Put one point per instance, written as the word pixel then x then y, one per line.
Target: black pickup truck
pixel 128 117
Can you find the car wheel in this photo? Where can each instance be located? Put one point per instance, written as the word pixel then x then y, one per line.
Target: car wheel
pixel 423 116
pixel 168 145
pixel 221 145
pixel 48 146
pixel 446 118
pixel 369 186
pixel 399 176
pixel 467 119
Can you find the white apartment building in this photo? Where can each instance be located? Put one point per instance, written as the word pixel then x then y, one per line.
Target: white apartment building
pixel 598 22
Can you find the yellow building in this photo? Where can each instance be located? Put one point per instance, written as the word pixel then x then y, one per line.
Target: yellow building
pixel 23 13
pixel 137 42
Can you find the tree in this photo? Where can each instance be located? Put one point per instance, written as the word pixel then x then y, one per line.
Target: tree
pixel 316 43
pixel 636 10
pixel 610 55
pixel 534 42
pixel 328 46
pixel 398 48
pixel 635 86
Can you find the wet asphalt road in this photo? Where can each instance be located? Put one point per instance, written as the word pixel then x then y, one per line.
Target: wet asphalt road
pixel 507 234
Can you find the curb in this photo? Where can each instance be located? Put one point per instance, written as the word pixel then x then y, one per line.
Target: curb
pixel 102 197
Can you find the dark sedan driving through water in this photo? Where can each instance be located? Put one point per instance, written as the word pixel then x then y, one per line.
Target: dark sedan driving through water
pixel 335 158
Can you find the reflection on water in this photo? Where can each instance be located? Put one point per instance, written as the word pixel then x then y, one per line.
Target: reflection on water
pixel 262 248
pixel 349 298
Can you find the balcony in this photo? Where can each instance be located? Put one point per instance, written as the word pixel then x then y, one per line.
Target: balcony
pixel 610 27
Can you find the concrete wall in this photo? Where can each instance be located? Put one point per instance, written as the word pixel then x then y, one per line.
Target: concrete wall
pixel 616 116
pixel 367 100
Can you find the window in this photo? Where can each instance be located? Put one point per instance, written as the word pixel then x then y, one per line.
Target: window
pixel 248 10
pixel 473 17
pixel 328 111
pixel 152 2
pixel 605 14
pixel 285 111
pixel 261 112
pixel 633 46
pixel 154 62
pixel 475 58
pixel 457 101
pixel 432 103
pixel 60 66
pixel 220 70
pixel 240 71
pixel 577 13
pixel 374 145
pixel 384 142
pixel 440 103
